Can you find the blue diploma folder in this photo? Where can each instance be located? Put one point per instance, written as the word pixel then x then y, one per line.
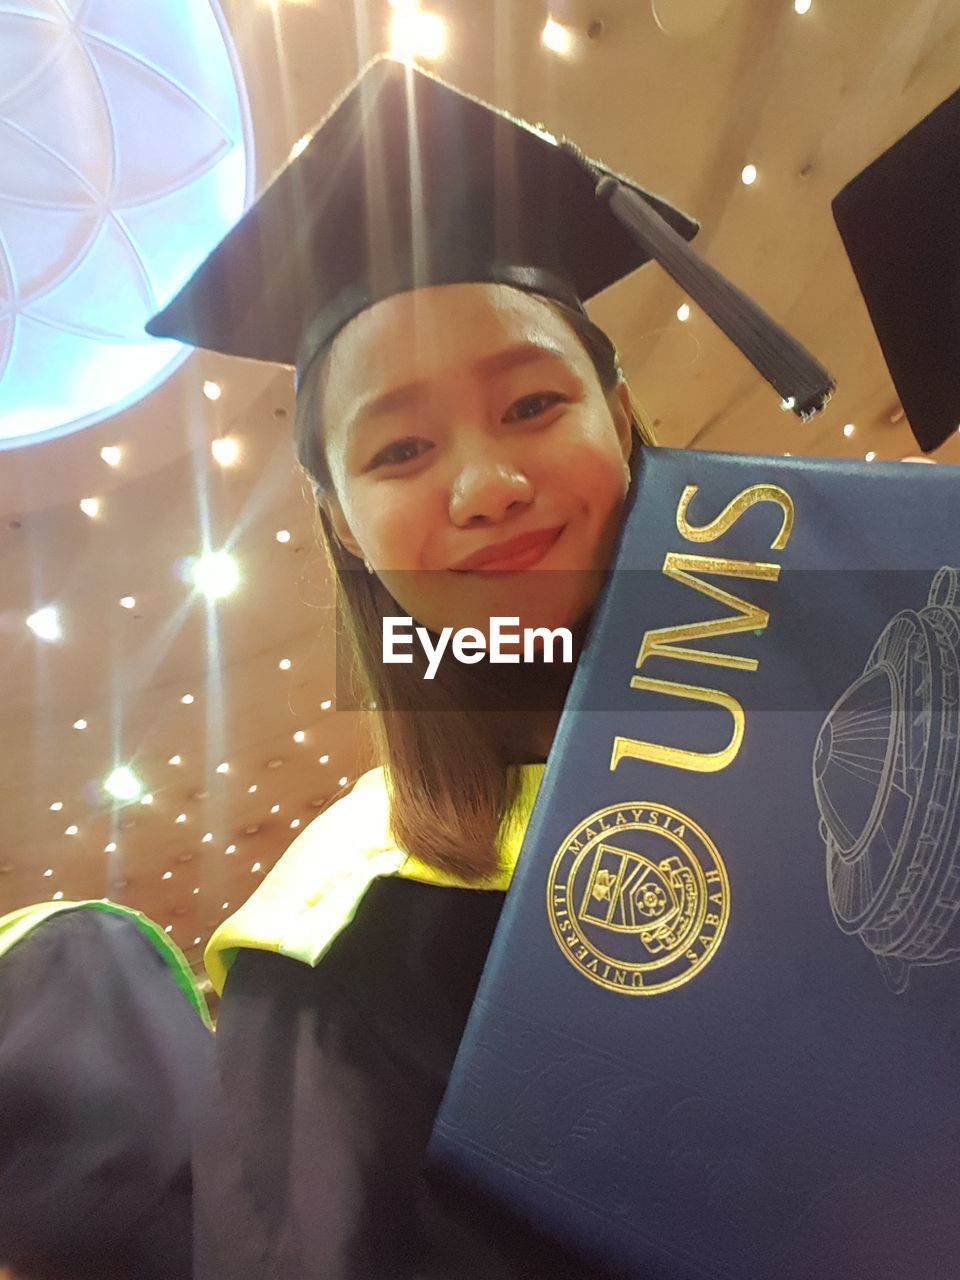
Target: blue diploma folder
pixel 718 1034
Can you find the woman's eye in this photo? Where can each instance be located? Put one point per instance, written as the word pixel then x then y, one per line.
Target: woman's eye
pixel 399 452
pixel 533 406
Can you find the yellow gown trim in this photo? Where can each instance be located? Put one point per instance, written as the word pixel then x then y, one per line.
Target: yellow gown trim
pixel 314 890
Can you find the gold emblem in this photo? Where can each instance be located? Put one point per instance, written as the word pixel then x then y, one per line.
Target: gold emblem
pixel 638 898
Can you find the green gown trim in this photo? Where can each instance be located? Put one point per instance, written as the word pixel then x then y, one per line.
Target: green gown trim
pixel 18 924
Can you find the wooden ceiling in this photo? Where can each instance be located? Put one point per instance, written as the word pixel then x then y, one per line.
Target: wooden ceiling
pixel 682 94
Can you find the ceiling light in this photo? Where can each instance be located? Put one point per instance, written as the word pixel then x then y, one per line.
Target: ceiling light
pixel 284 664
pixel 849 429
pixel 299 146
pixel 207 837
pixel 168 928
pixel 275 763
pixel 275 809
pixel 748 175
pixel 223 767
pixel 255 867
pixel 801 6
pixel 557 38
pixel 216 574
pixel 416 34
pixel 196 942
pixel 251 789
pixel 283 535
pixel 79 724
pixel 127 602
pixel 147 799
pixel 212 390
pixel 174 760
pixel 49 871
pixel 187 699
pixel 58 895
pixel 683 312
pixel 344 781
pixel 111 847
pixel 196 890
pixel 226 906
pixel 225 450
pixel 90 507
pixel 111 455
pixel 326 704
pixel 299 736
pixel 45 623
pixel 869 457
pixel 322 759
pixel 295 823
pixel 231 848
pixel 71 830
pixel 123 784
pixel 181 817
pixel 167 875
pixel 57 806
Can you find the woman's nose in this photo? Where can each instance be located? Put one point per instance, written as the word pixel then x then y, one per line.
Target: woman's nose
pixel 485 492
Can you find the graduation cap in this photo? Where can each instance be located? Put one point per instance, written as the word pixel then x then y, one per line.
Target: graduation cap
pixel 900 224
pixel 409 183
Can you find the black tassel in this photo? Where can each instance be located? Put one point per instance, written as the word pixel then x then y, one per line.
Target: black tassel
pixel 803 384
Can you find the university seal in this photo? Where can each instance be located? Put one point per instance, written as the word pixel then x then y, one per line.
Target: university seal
pixel 638 898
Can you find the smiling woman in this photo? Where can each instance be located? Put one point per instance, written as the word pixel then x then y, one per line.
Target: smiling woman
pixel 469 437
pixel 496 448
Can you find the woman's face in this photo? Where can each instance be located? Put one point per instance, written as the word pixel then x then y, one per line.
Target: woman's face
pixel 460 417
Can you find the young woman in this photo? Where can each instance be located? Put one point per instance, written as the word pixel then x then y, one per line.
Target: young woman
pixel 469 436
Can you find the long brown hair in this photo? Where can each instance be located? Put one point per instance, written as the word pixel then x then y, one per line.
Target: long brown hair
pixel 449 784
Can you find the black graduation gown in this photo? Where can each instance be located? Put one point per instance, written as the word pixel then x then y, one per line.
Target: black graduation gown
pixel 312 1166
pixel 104 1069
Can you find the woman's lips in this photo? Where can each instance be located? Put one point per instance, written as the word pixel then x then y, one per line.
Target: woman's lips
pixel 515 563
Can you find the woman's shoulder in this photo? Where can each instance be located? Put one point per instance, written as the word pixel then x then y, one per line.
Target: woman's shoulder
pixel 315 888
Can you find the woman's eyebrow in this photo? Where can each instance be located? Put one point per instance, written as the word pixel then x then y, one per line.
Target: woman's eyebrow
pixel 410 393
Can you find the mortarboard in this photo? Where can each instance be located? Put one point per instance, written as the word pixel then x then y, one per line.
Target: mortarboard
pixel 900 224
pixel 409 182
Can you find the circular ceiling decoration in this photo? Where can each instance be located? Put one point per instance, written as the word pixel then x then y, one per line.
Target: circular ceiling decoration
pixel 125 154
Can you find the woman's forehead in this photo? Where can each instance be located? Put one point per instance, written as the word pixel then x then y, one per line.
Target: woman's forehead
pixel 427 332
